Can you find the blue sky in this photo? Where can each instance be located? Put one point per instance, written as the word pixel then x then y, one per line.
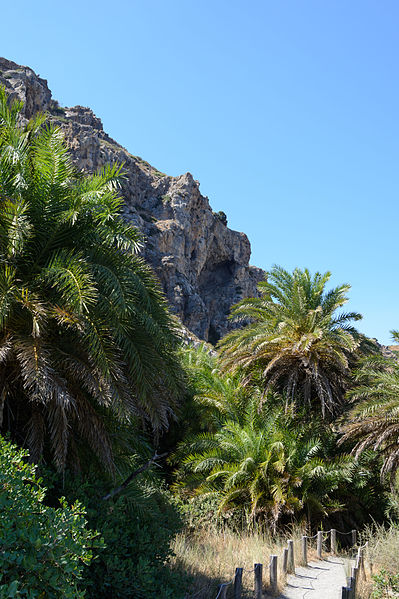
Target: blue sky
pixel 285 111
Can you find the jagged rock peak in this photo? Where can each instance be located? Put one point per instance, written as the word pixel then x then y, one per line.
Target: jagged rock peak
pixel 202 265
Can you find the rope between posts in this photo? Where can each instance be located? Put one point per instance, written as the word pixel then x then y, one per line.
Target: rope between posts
pixel 222 586
pixel 244 571
pixel 325 535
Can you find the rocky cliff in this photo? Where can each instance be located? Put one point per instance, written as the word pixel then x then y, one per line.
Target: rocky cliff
pixel 203 265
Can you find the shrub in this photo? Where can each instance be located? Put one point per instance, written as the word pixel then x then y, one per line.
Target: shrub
pixel 222 217
pixel 138 527
pixel 386 584
pixel 41 548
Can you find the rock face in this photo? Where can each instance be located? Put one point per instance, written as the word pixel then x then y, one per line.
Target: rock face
pixel 202 265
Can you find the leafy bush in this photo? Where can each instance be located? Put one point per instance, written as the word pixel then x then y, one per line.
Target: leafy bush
pixel 42 549
pixel 386 584
pixel 138 527
pixel 222 217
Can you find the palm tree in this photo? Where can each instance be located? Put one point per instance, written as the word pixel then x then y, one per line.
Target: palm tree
pixel 293 339
pixel 84 327
pixel 265 467
pixel 374 419
pixel 217 395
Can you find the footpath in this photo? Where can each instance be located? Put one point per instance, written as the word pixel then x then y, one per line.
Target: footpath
pixel 321 579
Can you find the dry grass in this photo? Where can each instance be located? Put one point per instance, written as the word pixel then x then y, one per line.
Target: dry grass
pixel 382 553
pixel 210 557
pixel 384 548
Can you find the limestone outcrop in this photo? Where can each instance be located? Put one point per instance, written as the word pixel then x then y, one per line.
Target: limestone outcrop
pixel 203 265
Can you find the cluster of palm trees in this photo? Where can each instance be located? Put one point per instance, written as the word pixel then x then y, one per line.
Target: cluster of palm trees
pixel 86 337
pixel 88 348
pixel 292 409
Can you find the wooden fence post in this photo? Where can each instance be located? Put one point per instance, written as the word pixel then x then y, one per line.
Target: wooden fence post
pixel 361 563
pixel 354 537
pixel 285 561
pixel 352 586
pixel 304 544
pixel 238 583
pixel 258 581
pixel 333 541
pixel 319 544
pixel 291 558
pixel 354 575
pixel 273 574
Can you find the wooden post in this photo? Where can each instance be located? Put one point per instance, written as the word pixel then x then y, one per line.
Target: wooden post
pixel 345 593
pixel 354 575
pixel 273 574
pixel 362 568
pixel 238 583
pixel 359 558
pixel 352 586
pixel 319 544
pixel 333 541
pixel 304 545
pixel 354 537
pixel 291 558
pixel 285 561
pixel 258 581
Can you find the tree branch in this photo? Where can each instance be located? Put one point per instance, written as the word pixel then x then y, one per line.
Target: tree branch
pixel 131 476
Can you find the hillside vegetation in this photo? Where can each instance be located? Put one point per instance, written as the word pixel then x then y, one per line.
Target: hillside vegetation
pixel 177 459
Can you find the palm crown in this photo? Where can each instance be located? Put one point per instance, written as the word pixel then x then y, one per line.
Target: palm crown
pixel 263 466
pixel 293 338
pixel 84 328
pixel 373 422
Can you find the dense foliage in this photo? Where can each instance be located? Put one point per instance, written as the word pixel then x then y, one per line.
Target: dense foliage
pixel 265 466
pixel 91 366
pixel 294 340
pixel 41 548
pixel 374 420
pixel 84 326
pixel 137 526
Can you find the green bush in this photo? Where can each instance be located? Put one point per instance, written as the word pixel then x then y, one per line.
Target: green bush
pixel 138 527
pixel 43 550
pixel 386 585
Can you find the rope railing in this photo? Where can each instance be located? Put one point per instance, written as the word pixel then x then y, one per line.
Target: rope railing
pixel 288 566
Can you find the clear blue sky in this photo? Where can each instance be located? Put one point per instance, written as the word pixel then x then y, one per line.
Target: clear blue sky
pixel 286 112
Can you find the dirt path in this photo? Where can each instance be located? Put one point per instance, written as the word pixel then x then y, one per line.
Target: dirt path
pixel 319 580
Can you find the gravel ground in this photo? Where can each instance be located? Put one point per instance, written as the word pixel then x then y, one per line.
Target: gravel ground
pixel 319 580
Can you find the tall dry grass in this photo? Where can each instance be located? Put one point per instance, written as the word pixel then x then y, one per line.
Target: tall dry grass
pixel 210 557
pixel 381 553
pixel 384 547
